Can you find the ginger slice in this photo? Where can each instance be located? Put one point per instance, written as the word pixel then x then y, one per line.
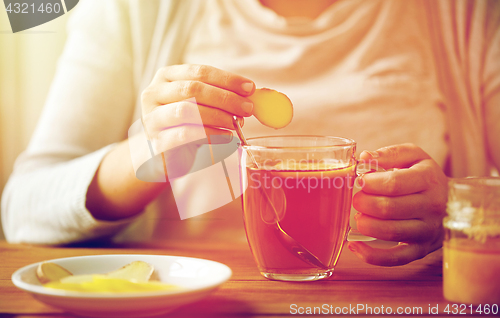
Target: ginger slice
pixel 133 277
pixel 272 108
pixel 138 271
pixel 49 272
pixel 106 284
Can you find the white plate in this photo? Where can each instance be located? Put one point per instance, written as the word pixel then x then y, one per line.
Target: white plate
pixel 197 277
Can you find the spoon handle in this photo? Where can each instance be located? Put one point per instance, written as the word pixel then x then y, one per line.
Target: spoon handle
pixel 244 142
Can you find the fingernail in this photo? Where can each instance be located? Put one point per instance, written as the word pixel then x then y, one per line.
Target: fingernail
pixel 247 107
pixel 247 87
pixel 374 154
pixel 357 216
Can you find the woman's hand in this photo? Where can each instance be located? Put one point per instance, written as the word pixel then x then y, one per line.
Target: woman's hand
pixel 170 121
pixel 406 205
pixel 180 95
pixel 186 106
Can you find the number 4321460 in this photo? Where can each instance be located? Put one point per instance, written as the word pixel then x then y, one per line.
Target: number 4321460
pixel 462 309
pixel 30 8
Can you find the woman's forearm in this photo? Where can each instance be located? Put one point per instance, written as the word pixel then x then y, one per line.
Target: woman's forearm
pixel 115 193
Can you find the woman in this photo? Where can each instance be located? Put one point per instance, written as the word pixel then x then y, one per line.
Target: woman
pixel 379 72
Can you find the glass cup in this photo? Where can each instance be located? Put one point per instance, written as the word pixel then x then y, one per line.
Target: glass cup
pixel 297 203
pixel 471 248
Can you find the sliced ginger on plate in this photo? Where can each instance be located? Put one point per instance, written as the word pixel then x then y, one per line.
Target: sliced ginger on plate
pixel 133 277
pixel 139 271
pixel 272 108
pixel 49 272
pixel 105 284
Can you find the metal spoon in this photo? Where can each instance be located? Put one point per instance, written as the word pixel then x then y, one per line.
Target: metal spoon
pixel 285 239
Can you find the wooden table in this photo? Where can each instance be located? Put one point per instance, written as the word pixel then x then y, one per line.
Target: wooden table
pixel 413 287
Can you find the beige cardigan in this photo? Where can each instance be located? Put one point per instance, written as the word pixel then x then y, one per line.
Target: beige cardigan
pixel 467 50
pixel 466 41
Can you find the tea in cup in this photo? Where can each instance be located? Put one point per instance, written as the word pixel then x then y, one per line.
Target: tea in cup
pixel 297 203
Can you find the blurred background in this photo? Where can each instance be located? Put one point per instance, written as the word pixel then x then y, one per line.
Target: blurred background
pixel 28 61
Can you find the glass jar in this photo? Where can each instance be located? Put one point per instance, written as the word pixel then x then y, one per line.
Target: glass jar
pixel 471 249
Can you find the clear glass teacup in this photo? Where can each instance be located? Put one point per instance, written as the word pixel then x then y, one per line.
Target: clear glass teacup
pixel 297 203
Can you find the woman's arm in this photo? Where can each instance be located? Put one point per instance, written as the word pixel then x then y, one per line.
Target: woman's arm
pixel 89 107
pixel 115 192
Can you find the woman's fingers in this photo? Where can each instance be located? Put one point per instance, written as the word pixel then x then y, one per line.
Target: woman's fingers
pixel 411 230
pixel 417 178
pixel 185 112
pixel 413 206
pixel 179 145
pixel 186 106
pixel 205 94
pixel 208 85
pixel 206 74
pixel 394 256
pixel 188 134
pixel 195 94
pixel 398 156
pixel 404 205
